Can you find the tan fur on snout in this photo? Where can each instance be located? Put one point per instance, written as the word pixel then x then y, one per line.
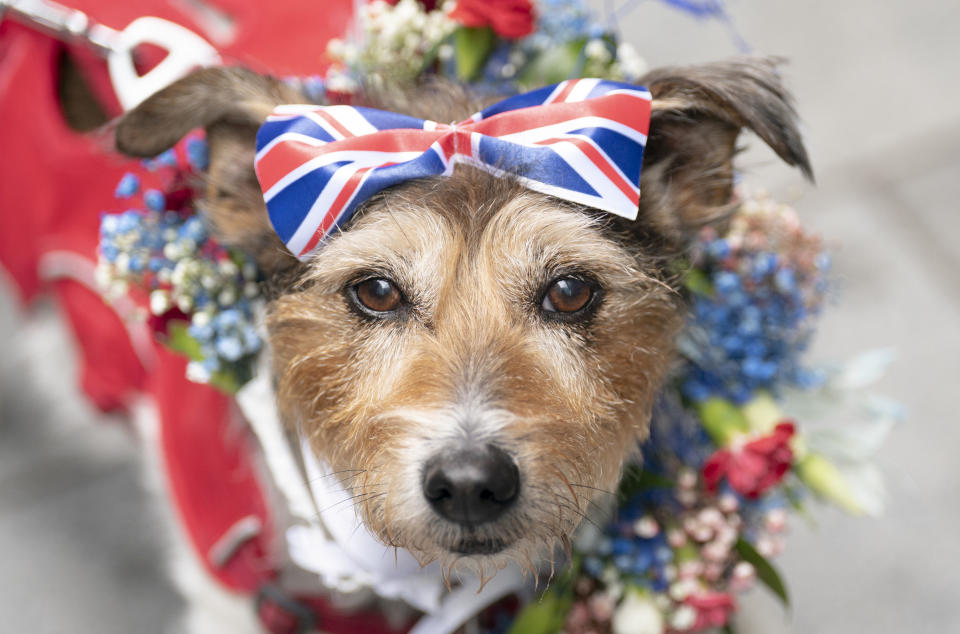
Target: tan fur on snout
pixel 474 360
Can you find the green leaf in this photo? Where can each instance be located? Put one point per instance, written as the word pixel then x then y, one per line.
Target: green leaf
pixel 826 480
pixel 229 380
pixel 545 616
pixel 636 479
pixel 698 283
pixel 553 65
pixel 765 570
pixel 179 340
pixel 226 381
pixel 472 46
pixel 722 419
pixel 762 412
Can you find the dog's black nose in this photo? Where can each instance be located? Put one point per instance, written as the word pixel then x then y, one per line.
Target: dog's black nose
pixel 472 486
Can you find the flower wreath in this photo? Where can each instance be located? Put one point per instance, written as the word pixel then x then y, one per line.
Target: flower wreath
pixel 698 519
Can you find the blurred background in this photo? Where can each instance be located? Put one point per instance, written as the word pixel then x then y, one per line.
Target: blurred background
pixel 875 84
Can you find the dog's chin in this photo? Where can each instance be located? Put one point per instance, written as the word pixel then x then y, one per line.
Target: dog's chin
pixel 479 546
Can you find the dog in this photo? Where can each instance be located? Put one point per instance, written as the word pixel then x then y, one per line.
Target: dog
pixel 476 360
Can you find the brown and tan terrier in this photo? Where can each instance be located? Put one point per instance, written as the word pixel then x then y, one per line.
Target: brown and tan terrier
pixel 477 360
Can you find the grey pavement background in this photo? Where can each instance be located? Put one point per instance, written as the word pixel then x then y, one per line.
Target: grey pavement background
pixel 876 86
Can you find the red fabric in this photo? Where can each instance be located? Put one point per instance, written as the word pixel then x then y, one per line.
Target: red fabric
pixel 209 468
pixel 112 373
pixel 511 19
pixel 329 619
pixel 54 184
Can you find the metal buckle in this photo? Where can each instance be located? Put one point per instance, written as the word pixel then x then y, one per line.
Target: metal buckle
pixel 185 49
pixel 271 597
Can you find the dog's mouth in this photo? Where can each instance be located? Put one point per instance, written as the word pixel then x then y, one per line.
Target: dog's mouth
pixel 479 546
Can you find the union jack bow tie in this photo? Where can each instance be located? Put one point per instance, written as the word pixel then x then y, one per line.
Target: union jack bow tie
pixel 580 140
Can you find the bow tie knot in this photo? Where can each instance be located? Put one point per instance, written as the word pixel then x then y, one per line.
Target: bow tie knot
pixel 581 140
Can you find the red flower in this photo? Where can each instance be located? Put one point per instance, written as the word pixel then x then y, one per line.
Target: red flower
pixel 511 19
pixel 753 467
pixel 713 609
pixel 161 323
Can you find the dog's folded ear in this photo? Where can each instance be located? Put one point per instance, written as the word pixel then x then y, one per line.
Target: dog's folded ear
pixel 697 114
pixel 233 96
pixel 230 104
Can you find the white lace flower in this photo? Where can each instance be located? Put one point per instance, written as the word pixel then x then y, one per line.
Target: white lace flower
pixel 638 614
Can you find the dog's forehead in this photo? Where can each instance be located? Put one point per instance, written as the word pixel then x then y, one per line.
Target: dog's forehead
pixel 471 220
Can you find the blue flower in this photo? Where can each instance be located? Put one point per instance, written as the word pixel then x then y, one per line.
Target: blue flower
pixel 785 280
pixel 230 348
pixel 726 283
pixel 128 186
pixel 593 566
pixel 168 158
pixel 204 332
pixel 197 154
pixel 154 199
pixel 719 249
pixel 109 251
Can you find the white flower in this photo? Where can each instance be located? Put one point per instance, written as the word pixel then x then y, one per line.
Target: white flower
pixel 197 373
pixel 637 614
pixel 337 48
pixel 103 274
pixel 159 302
pixel 122 263
pixel 630 61
pixel 596 50
pixel 844 427
pixel 683 618
pixel 185 303
pixel 227 296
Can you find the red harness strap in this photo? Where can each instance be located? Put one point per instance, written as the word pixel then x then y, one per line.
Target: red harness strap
pixel 281 614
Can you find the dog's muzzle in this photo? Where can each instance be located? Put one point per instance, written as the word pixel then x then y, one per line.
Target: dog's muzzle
pixel 471 486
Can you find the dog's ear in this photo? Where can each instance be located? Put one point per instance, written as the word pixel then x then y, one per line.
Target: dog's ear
pixel 230 103
pixel 697 113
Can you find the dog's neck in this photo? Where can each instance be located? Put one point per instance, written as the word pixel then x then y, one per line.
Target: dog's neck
pixel 326 536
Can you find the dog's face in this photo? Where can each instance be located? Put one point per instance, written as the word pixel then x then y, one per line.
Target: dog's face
pixel 473 359
pixel 477 359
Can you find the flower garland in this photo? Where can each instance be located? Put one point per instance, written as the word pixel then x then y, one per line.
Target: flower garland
pixel 698 518
pixel 498 46
pixel 200 295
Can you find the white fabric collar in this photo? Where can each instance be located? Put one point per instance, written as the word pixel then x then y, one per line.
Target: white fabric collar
pixel 329 539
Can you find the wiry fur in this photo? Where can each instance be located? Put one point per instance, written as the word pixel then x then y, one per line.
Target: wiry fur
pixel 472 359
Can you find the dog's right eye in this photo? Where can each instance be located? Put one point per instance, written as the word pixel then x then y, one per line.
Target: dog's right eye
pixel 377 295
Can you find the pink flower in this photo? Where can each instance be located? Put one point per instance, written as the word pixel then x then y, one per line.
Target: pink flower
pixel 511 19
pixel 755 466
pixel 713 609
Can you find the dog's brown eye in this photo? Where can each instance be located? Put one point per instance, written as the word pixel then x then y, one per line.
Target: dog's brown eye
pixel 378 295
pixel 567 295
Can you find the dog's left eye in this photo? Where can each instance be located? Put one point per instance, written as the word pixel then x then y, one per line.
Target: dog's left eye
pixel 567 295
pixel 377 295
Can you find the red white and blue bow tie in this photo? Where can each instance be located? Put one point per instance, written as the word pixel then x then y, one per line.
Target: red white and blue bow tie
pixel 580 140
